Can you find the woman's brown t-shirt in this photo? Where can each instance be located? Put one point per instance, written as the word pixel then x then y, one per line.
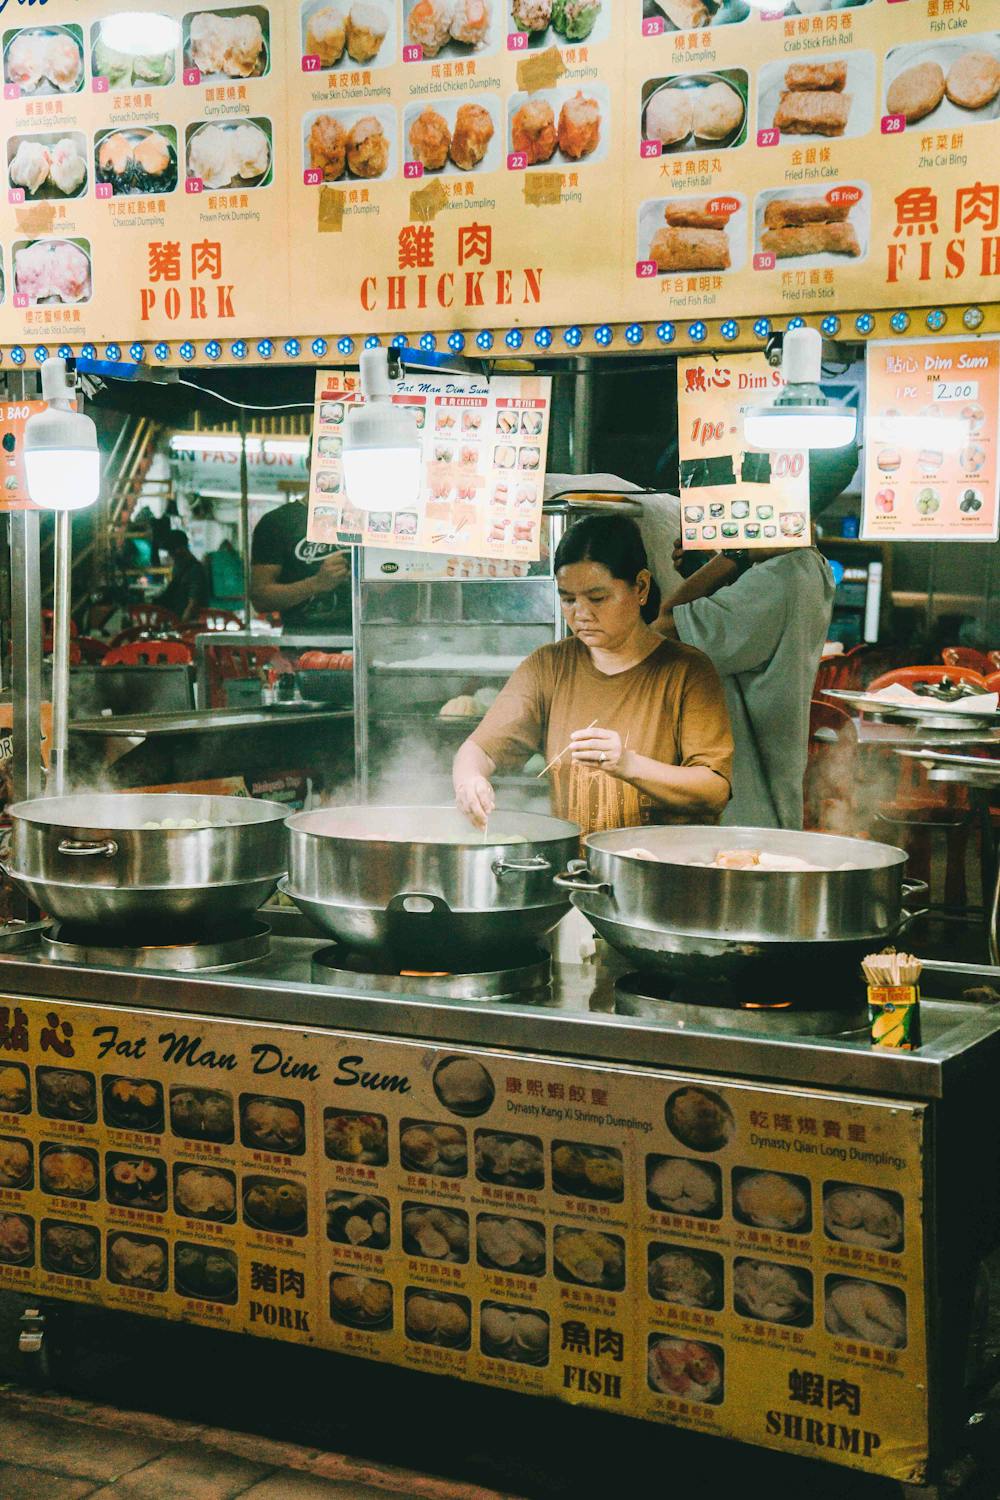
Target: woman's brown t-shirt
pixel 670 705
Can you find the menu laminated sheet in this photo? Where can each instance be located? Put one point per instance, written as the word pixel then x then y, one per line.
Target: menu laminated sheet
pixel 264 170
pixel 484 443
pixel 930 466
pixel 712 1254
pixel 732 495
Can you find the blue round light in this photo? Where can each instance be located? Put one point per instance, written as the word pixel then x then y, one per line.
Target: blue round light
pixel 213 349
pixel 484 339
pixel 830 325
pixel 635 333
pixel 17 355
pixel 543 338
pixel 41 354
pixel 186 351
pixel 65 351
pixel 864 322
pixel 456 342
pixel 292 348
pixel 239 349
pixel 936 319
pixel 88 351
pixel 899 322
pixel 428 343
pixel 265 348
pixel 346 345
pixel 762 328
pixel 666 333
pixel 137 353
pixel 730 329
pixel 162 351
pixel 113 353
pixel 372 341
pixel 399 341
pixel 513 338
pixel 972 318
pixel 603 335
pixel 697 332
pixel 573 336
pixel 796 323
pixel 319 347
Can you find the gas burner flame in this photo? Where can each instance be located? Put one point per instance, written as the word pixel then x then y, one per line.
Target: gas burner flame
pixel 766 1005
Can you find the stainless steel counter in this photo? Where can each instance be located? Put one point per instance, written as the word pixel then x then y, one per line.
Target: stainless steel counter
pixel 579 1022
pixel 207 721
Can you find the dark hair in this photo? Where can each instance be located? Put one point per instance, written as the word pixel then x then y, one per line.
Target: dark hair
pixel 177 541
pixel 616 543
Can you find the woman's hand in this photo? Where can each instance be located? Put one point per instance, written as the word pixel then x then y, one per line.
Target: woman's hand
pixel 476 798
pixel 599 747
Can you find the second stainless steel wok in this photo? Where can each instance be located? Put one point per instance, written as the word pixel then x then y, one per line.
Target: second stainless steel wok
pixel 89 859
pixel 421 885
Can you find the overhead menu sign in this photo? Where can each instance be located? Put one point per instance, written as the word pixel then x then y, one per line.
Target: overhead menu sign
pixel 295 169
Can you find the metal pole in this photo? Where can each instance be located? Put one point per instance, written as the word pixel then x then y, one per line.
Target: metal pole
pixel 583 411
pixel 360 677
pixel 245 519
pixel 26 654
pixel 61 608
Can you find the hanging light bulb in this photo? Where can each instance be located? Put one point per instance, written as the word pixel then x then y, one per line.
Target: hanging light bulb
pixel 800 416
pixel 382 452
pixel 62 462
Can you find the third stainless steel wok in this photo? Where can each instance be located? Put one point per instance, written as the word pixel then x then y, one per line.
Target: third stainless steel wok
pixel 421 885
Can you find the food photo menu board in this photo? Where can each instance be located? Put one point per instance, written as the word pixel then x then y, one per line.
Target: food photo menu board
pixel 734 496
pixel 256 170
pixel 700 1252
pixel 484 443
pixel 932 409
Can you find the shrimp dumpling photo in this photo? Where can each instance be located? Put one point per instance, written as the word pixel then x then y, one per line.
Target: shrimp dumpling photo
pixel 68 170
pixel 30 167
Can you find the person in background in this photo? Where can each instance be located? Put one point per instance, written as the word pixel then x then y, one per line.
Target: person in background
pixel 635 726
pixel 762 619
pixel 307 583
pixel 188 589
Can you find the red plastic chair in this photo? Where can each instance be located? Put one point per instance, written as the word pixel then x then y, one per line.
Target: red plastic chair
pixel 832 672
pixel 911 676
pixel 91 649
pixel 153 617
pixel 993 657
pixel 831 775
pixel 216 619
pixel 993 682
pixel 149 654
pixel 225 663
pixel 967 656
pixel 47 621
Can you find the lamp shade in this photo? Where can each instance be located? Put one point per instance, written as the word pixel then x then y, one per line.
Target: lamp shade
pixel 801 415
pixel 62 462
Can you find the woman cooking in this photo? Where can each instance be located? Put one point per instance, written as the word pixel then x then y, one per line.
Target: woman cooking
pixel 635 727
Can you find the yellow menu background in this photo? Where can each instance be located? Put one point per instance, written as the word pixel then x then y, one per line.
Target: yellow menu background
pixel 798 1386
pixel 564 241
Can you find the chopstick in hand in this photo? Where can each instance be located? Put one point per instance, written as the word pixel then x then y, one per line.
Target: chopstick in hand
pixel 562 752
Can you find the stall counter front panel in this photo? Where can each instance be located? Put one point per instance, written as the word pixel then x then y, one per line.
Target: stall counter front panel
pixel 707 1253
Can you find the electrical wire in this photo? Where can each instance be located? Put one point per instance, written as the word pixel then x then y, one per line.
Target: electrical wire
pixel 247 405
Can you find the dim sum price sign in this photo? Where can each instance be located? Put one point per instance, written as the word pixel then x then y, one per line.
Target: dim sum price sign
pixel 733 496
pixel 483 472
pixel 930 456
pixel 695 1251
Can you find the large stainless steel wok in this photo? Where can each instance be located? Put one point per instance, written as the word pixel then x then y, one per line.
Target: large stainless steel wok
pixel 771 933
pixel 420 885
pixel 88 859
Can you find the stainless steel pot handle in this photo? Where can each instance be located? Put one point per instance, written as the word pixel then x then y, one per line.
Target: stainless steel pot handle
pixel 915 888
pixel 81 846
pixel 419 904
pixel 533 864
pixel 578 878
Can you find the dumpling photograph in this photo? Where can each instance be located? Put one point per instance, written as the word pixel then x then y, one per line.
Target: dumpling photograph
pixel 803 225
pixel 231 153
pixel 355 143
pixel 453 29
pixel 41 60
pixel 680 235
pixel 696 111
pixel 53 165
pixel 136 162
pixel 772 1200
pixel 339 34
pixel 228 43
pixel 822 98
pixel 454 136
pixel 135 51
pixel 561 127
pixel 855 1215
pixel 693 15
pixel 560 22
pixel 947 83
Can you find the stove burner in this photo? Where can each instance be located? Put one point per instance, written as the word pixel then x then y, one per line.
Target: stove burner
pixel 651 996
pixel 528 981
pixel 218 948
